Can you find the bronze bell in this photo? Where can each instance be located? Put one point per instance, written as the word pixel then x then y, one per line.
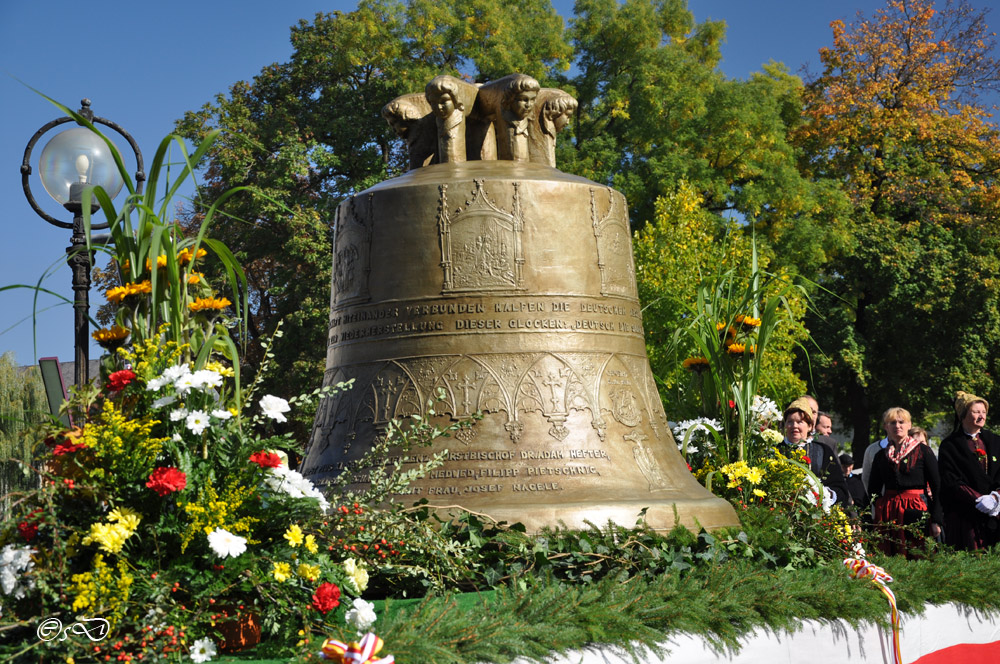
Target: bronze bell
pixel 509 285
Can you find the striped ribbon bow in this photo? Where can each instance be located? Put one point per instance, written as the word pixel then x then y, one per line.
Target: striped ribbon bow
pixel 860 569
pixel 356 652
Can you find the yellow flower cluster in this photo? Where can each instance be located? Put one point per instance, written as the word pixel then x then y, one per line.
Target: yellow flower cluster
pixel 736 472
pixel 103 589
pixel 150 356
pixel 121 446
pixel 111 536
pixel 210 511
pixel 221 369
pixel 119 293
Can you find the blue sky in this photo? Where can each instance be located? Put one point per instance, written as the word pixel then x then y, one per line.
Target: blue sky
pixel 143 64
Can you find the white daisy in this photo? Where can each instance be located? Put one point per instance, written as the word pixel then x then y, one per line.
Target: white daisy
pixel 203 650
pixel 221 414
pixel 184 384
pixel 178 415
pixel 197 421
pixel 225 544
pixel 206 378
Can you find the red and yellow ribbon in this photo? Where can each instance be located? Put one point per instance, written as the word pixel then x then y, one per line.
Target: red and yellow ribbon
pixel 356 652
pixel 860 569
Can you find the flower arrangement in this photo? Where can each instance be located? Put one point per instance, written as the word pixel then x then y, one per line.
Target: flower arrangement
pixel 169 509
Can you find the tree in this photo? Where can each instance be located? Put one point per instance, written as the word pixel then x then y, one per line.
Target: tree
pixel 911 297
pixel 22 405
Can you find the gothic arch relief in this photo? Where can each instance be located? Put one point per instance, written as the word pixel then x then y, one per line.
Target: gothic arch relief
pixel 352 243
pixel 614 245
pixel 552 387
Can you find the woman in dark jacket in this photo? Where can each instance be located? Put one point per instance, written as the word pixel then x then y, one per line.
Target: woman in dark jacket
pixel 970 477
pixel 901 475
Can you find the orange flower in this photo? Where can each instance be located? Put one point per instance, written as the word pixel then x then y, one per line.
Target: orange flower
pixel 209 304
pixel 111 337
pixel 161 261
pixel 184 255
pixel 119 293
pixel 194 278
pixel 735 349
pixel 730 332
pixel 747 321
pixel 696 364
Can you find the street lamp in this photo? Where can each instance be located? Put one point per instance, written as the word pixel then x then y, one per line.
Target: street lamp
pixel 72 160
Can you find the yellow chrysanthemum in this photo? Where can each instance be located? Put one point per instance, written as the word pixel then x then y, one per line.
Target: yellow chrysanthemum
pixel 282 572
pixel 294 535
pixel 209 304
pixel 759 493
pixel 310 544
pixel 309 572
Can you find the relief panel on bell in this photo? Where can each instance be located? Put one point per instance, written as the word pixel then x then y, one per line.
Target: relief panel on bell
pixel 352 253
pixel 480 242
pixel 614 243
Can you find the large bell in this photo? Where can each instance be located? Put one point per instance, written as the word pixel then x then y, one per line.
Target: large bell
pixel 509 285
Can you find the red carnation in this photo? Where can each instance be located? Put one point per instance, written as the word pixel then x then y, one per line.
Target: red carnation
pixel 66 448
pixel 327 597
pixel 266 459
pixel 28 530
pixel 980 452
pixel 166 480
pixel 119 379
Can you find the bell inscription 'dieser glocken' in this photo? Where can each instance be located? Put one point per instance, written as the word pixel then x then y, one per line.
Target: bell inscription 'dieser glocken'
pixel 487 274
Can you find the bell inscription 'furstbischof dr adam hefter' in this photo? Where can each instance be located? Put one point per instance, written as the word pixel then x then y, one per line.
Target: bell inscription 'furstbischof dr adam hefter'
pixel 486 273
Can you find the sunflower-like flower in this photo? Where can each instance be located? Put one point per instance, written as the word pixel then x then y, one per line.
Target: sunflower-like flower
pixel 736 349
pixel 111 337
pixel 119 293
pixel 696 364
pixel 209 304
pixel 729 330
pixel 747 321
pixel 161 261
pixel 195 278
pixel 185 255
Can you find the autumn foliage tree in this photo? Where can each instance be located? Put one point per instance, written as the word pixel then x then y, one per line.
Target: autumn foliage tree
pixel 911 298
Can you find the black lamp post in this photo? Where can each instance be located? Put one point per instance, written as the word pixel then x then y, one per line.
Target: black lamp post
pixel 72 160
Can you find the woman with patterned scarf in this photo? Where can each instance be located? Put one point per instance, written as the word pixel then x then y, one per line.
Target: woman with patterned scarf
pixel 900 474
pixel 970 477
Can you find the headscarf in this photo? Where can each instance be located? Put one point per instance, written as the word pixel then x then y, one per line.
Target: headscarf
pixel 801 404
pixel 964 401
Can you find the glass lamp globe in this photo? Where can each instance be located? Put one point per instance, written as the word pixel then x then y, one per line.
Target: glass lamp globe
pixel 78 155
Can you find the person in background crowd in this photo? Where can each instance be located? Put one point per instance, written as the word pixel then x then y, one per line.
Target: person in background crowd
pixel 824 424
pixel 818 434
pixel 900 475
pixel 970 477
pixel 919 434
pixel 797 424
pixel 854 483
